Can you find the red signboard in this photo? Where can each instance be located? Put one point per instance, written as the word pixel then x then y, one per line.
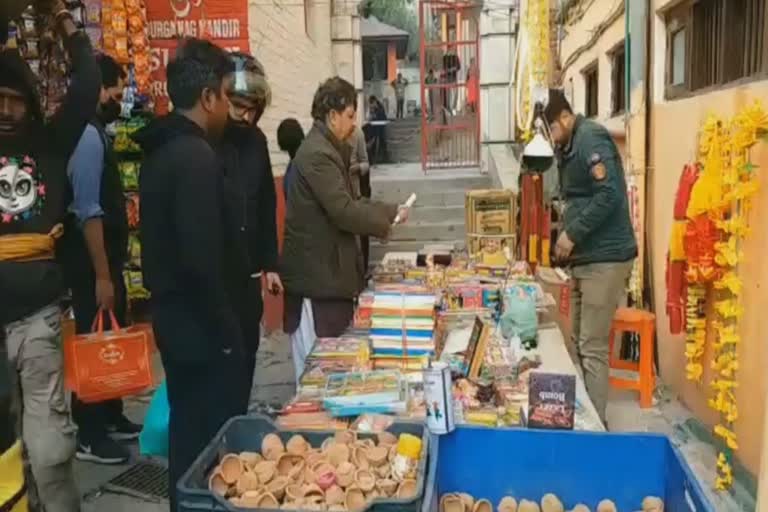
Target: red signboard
pixel 225 22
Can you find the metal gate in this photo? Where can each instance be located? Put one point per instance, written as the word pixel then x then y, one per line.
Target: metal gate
pixel 450 83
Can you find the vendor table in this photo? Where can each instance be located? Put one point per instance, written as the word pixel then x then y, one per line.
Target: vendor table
pixel 556 359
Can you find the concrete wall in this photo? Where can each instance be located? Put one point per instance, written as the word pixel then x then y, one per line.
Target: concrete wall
pixel 296 60
pixel 580 49
pixel 674 142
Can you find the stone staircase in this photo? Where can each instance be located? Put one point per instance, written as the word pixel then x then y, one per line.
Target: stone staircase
pixel 438 215
pixel 404 140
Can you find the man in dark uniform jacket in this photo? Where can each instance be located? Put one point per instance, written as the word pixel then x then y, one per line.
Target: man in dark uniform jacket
pixel 597 241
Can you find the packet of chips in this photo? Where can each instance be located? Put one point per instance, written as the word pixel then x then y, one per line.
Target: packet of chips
pixel 129 175
pixel 134 285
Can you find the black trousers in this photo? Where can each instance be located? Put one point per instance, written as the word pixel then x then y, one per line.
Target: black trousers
pixel 251 320
pixel 400 105
pixel 365 242
pixel 92 419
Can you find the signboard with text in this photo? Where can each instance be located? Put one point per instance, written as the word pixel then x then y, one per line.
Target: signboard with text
pixel 224 22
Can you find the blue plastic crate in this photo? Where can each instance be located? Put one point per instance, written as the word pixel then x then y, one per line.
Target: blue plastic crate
pixel 245 433
pixel 578 467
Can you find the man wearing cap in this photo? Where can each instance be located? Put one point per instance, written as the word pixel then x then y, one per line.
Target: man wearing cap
pixel 597 241
pixel 253 199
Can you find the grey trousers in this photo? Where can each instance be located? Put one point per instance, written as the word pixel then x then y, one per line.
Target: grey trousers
pixel 596 290
pixel 34 347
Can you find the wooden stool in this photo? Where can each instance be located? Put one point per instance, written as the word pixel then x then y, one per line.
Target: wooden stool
pixel 643 323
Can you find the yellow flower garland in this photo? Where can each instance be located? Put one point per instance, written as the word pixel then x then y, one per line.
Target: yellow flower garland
pixel 724 192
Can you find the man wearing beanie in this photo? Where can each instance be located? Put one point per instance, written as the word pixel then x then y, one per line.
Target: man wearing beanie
pixel 34 194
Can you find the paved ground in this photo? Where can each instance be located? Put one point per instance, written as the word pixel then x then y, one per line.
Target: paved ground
pixel 274 384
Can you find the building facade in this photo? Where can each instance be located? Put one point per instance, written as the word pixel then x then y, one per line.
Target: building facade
pixel 686 59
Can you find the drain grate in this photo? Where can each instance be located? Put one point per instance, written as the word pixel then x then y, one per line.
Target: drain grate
pixel 144 480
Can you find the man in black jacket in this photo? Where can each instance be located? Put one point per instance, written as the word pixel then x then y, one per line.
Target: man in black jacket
pixel 33 200
pixel 252 198
pixel 191 254
pixel 94 249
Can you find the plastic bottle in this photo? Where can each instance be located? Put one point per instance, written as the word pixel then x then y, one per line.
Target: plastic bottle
pixel 406 461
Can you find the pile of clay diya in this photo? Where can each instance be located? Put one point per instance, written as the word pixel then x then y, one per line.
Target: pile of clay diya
pixel 343 474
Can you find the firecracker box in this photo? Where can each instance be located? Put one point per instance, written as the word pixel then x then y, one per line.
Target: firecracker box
pixel 551 401
pixel 490 212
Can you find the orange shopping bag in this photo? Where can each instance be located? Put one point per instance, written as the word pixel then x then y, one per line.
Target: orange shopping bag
pixel 108 364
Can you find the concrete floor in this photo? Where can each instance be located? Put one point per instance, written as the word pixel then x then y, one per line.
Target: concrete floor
pixel 274 385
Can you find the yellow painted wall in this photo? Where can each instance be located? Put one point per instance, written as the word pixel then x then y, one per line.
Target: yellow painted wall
pixel 674 139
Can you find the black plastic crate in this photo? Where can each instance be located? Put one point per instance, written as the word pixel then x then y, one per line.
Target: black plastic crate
pixel 245 433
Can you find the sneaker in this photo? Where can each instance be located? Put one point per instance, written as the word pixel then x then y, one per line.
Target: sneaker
pixel 124 430
pixel 103 451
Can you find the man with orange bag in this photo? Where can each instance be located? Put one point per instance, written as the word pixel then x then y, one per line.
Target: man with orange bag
pixel 33 201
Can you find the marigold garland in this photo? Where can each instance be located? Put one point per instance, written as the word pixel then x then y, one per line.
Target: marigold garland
pixel 717 223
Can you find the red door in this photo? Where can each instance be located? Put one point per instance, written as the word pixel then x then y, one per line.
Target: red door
pixel 450 83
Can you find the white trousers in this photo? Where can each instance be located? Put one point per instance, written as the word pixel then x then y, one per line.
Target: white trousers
pixel 303 338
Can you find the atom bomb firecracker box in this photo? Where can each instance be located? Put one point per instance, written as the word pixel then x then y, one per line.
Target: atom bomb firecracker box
pixel 490 212
pixel 551 401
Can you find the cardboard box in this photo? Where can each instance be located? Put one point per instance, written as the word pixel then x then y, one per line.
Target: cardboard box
pixel 551 401
pixel 490 212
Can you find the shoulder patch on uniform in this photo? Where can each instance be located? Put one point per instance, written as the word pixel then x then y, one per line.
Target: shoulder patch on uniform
pixel 599 171
pixel 595 158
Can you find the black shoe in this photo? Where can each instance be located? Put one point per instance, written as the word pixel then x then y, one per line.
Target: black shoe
pixel 124 430
pixel 102 451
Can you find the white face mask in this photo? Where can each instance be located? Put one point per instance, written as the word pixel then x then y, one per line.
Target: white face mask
pixel 18 190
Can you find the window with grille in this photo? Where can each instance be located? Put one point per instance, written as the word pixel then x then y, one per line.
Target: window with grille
pixel 618 80
pixel 590 91
pixel 715 42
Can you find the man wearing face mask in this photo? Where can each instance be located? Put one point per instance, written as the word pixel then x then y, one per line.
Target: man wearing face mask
pixel 94 250
pixel 252 198
pixel 33 200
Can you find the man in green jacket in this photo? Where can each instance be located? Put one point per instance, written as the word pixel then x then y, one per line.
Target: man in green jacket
pixel 597 240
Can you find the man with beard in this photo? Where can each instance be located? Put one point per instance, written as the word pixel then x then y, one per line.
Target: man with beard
pixel 252 198
pixel 33 201
pixel 94 250
pixel 191 254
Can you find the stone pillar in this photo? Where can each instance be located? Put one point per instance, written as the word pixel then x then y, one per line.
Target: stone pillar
pixel 498 32
pixel 347 49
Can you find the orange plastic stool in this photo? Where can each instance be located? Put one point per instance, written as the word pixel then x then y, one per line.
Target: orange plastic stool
pixel 642 323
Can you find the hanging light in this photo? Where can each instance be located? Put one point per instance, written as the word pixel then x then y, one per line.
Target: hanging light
pixel 538 155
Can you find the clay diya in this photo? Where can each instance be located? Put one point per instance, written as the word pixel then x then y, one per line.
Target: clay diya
pixel 407 489
pixel 267 500
pixel 365 480
pixel 354 499
pixel 286 463
pixel 392 452
pixel 337 508
pixel 297 472
pixel 338 453
pixel 297 445
pixel 217 484
pixel 383 471
pixel 606 506
pixel 250 459
pixel 367 442
pixel 313 494
pixel 653 504
pixel 334 495
pixel 265 470
pixel 345 436
pixel 528 506
pixel 387 439
pixel 551 503
pixel 451 503
pixel 313 456
pixel 387 487
pixel 360 457
pixel 482 506
pixel 327 443
pixel 231 468
pixel 248 481
pixel 345 474
pixel 272 447
pixel 277 486
pixel 377 455
pixel 507 504
pixel 580 508
pixel 250 499
pixel 468 499
pixel 294 492
pixel 326 479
